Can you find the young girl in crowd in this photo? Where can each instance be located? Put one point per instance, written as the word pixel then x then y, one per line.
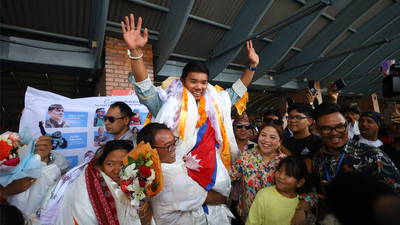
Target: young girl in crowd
pixel 277 204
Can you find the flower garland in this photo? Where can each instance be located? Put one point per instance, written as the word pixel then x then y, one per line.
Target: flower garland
pixel 202 112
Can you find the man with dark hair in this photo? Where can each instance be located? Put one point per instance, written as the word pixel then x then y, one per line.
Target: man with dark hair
pixel 241 128
pixel 181 200
pixel 303 144
pixel 99 120
pixel 56 112
pixel 372 128
pixel 340 154
pixel 117 122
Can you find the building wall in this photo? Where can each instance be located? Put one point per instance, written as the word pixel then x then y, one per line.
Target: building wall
pixel 118 66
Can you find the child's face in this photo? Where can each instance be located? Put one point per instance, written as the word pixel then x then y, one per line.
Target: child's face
pixel 286 183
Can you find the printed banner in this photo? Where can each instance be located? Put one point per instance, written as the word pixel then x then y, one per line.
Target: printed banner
pixel 76 126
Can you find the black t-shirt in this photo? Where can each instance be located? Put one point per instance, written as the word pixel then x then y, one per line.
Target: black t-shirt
pixel 393 153
pixel 304 148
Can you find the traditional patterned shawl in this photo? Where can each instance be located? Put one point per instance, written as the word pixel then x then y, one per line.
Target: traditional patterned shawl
pixel 100 196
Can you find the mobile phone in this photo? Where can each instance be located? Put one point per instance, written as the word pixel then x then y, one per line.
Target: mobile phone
pixel 289 100
pixel 340 84
pixel 389 109
pixel 312 87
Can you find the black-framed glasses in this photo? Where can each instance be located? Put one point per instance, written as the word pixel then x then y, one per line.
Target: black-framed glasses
pixel 339 128
pixel 296 118
pixel 171 146
pixel 112 119
pixel 268 120
pixel 240 126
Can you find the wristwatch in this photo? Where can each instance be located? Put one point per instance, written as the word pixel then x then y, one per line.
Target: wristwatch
pixel 251 68
pixel 303 209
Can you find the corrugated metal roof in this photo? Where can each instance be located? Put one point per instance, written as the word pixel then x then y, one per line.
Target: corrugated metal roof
pixel 223 11
pixel 152 18
pixel 278 11
pixel 198 39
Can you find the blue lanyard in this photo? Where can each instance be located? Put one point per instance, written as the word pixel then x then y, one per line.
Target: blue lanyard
pixel 337 168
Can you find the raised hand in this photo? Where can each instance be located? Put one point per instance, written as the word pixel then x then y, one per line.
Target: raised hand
pixel 253 56
pixel 310 96
pixel 133 38
pixel 43 147
pixel 332 93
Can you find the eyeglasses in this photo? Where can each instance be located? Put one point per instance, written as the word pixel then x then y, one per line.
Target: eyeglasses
pixel 171 146
pixel 296 118
pixel 339 128
pixel 112 119
pixel 240 126
pixel 268 120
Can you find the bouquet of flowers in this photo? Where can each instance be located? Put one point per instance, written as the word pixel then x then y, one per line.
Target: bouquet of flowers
pixel 141 174
pixel 10 143
pixel 17 157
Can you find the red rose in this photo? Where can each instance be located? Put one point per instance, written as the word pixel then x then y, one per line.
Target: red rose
pixel 145 171
pixel 270 179
pixel 380 164
pixel 142 182
pixel 11 162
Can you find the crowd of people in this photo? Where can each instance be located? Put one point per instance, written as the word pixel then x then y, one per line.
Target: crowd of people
pixel 316 164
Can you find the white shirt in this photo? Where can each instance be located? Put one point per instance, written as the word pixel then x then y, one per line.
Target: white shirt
pixel 376 143
pixel 180 196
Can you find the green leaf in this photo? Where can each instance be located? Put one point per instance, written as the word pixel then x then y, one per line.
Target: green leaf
pixel 130 160
pixel 154 186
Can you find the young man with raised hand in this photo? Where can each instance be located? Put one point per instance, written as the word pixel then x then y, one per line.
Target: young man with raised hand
pixel 195 111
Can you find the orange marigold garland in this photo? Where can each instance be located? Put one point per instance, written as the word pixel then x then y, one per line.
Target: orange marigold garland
pixel 202 112
pixel 184 109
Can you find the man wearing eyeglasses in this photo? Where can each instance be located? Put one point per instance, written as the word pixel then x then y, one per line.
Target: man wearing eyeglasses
pixel 117 122
pixel 303 144
pixel 182 198
pixel 241 129
pixel 340 154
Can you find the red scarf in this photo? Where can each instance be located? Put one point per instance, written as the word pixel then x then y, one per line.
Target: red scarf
pixel 100 196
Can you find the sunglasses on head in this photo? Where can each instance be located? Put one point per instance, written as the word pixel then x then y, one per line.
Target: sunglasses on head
pixel 112 119
pixel 268 120
pixel 240 126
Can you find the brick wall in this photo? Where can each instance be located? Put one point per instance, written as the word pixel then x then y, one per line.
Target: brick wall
pixel 118 66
